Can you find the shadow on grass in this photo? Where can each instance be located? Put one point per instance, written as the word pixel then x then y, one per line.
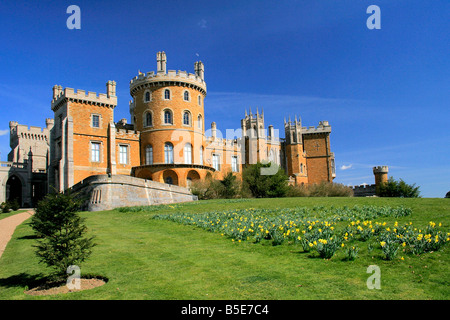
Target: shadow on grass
pixel 24 280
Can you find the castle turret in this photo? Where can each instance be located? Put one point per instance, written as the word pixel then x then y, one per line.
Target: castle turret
pixel 168 109
pixel 381 175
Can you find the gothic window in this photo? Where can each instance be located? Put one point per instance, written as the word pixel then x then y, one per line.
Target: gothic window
pixel 186 118
pixel 199 121
pixel 147 97
pixel 168 117
pixel 216 161
pixel 186 95
pixel 168 152
pixel 148 155
pixel 148 122
pixel 188 153
pixel 167 94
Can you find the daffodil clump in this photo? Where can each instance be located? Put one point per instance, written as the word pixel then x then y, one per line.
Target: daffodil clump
pixel 320 228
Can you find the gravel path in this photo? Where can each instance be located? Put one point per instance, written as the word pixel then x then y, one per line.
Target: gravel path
pixel 8 225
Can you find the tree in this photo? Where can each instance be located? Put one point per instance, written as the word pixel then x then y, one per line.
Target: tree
pixel 60 231
pixel 401 189
pixel 230 186
pixel 265 186
pixel 447 195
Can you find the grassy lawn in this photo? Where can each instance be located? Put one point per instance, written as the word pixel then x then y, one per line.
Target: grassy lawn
pixel 145 258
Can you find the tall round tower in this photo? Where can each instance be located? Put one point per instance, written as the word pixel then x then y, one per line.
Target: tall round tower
pixel 381 174
pixel 168 109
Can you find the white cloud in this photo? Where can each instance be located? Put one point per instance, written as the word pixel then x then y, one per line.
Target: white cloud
pixel 202 23
pixel 344 167
pixel 4 132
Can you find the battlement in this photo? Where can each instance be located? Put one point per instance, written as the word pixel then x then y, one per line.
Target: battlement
pixel 177 77
pixel 171 77
pixel 381 169
pixel 223 143
pixel 364 190
pixel 323 127
pixel 108 99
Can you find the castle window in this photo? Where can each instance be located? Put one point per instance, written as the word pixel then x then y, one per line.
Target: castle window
pixel 186 118
pixel 167 94
pixel 201 155
pixel 234 164
pixel 168 152
pixel 216 161
pixel 95 151
pixel 199 121
pixel 199 100
pixel 95 121
pixel 301 168
pixel 148 119
pixel 148 155
pixel 147 96
pixel 123 154
pixel 168 117
pixel 186 95
pixel 188 153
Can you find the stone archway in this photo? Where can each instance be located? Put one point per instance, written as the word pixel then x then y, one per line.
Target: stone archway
pixel 191 176
pixel 14 189
pixel 170 177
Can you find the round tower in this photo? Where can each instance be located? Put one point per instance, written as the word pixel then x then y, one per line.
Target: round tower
pixel 168 110
pixel 381 174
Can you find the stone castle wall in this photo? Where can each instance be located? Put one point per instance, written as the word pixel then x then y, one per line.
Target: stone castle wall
pixel 106 192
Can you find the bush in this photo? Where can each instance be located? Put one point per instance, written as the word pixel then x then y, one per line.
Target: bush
pixel 227 188
pixel 265 186
pixel 400 189
pixel 61 232
pixel 5 207
pixel 15 205
pixel 323 189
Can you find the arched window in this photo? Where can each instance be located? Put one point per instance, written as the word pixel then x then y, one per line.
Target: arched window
pixel 301 167
pixel 186 118
pixel 201 155
pixel 168 117
pixel 148 155
pixel 167 94
pixel 148 119
pixel 168 152
pixel 199 121
pixel 188 153
pixel 199 100
pixel 147 96
pixel 186 96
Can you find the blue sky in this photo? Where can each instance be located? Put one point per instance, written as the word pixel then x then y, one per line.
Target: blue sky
pixel 385 92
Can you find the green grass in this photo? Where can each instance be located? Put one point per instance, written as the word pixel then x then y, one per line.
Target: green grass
pixel 145 258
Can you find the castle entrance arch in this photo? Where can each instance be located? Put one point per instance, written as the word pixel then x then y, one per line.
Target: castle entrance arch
pixel 192 175
pixel 14 189
pixel 170 177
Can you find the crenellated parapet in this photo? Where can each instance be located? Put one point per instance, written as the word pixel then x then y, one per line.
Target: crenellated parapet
pixel 172 77
pixel 323 127
pixel 108 99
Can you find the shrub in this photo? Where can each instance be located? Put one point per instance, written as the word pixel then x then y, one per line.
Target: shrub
pixel 5 207
pixel 265 186
pixel 15 205
pixel 400 189
pixel 323 189
pixel 226 188
pixel 60 231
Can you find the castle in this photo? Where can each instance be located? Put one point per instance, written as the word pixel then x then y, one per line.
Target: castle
pixel 165 141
